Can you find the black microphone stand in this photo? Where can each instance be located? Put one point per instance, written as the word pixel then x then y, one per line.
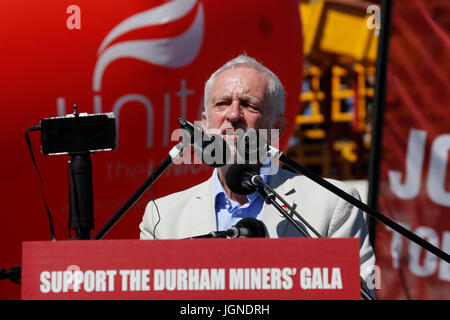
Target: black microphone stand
pixel 81 195
pixel 14 274
pixel 275 153
pixel 261 187
pixel 173 155
pixel 269 199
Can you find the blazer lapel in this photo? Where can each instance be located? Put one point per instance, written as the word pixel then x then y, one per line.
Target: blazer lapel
pixel 277 225
pixel 269 214
pixel 203 220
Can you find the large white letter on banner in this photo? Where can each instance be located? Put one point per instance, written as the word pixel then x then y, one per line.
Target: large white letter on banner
pixel 413 168
pixel 437 171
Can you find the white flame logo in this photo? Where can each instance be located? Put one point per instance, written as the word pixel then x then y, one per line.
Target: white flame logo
pixel 167 52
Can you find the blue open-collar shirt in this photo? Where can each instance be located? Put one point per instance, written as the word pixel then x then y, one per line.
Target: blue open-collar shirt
pixel 229 212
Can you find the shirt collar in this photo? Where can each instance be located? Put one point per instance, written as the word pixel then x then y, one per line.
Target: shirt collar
pixel 219 192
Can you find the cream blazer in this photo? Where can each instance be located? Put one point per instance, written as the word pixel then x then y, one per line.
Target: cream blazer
pixel 191 212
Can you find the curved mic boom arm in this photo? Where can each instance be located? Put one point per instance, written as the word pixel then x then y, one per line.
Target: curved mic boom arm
pixel 277 154
pixel 261 187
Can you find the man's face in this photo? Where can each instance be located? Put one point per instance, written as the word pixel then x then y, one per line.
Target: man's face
pixel 238 101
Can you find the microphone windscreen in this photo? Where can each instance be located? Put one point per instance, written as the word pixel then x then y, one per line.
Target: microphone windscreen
pixel 215 151
pixel 254 227
pixel 252 145
pixel 212 149
pixel 237 178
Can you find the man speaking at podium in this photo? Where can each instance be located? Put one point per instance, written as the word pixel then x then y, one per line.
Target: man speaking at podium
pixel 241 95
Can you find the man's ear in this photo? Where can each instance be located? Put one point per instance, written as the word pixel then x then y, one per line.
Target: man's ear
pixel 204 121
pixel 280 124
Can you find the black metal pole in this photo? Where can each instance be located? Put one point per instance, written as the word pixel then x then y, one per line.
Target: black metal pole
pixel 134 197
pixel 269 199
pixel 378 111
pixel 81 195
pixel 371 211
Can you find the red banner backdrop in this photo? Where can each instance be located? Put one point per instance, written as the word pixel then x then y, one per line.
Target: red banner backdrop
pixel 415 178
pixel 144 60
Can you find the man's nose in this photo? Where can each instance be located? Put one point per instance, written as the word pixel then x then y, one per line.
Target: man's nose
pixel 234 112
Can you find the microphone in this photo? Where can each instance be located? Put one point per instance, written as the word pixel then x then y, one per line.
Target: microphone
pixel 252 145
pixel 244 228
pixel 211 148
pixel 242 178
pixel 247 228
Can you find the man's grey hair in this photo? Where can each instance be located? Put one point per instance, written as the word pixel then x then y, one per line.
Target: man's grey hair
pixel 274 90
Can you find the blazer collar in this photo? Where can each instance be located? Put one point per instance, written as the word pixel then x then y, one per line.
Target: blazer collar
pixel 281 183
pixel 207 216
pixel 271 217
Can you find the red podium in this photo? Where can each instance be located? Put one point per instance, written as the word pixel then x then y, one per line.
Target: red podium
pixel 197 269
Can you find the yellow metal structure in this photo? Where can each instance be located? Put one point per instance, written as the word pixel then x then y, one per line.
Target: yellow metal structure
pixel 364 92
pixel 338 94
pixel 347 150
pixel 340 48
pixel 312 97
pixel 360 73
pixel 338 30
